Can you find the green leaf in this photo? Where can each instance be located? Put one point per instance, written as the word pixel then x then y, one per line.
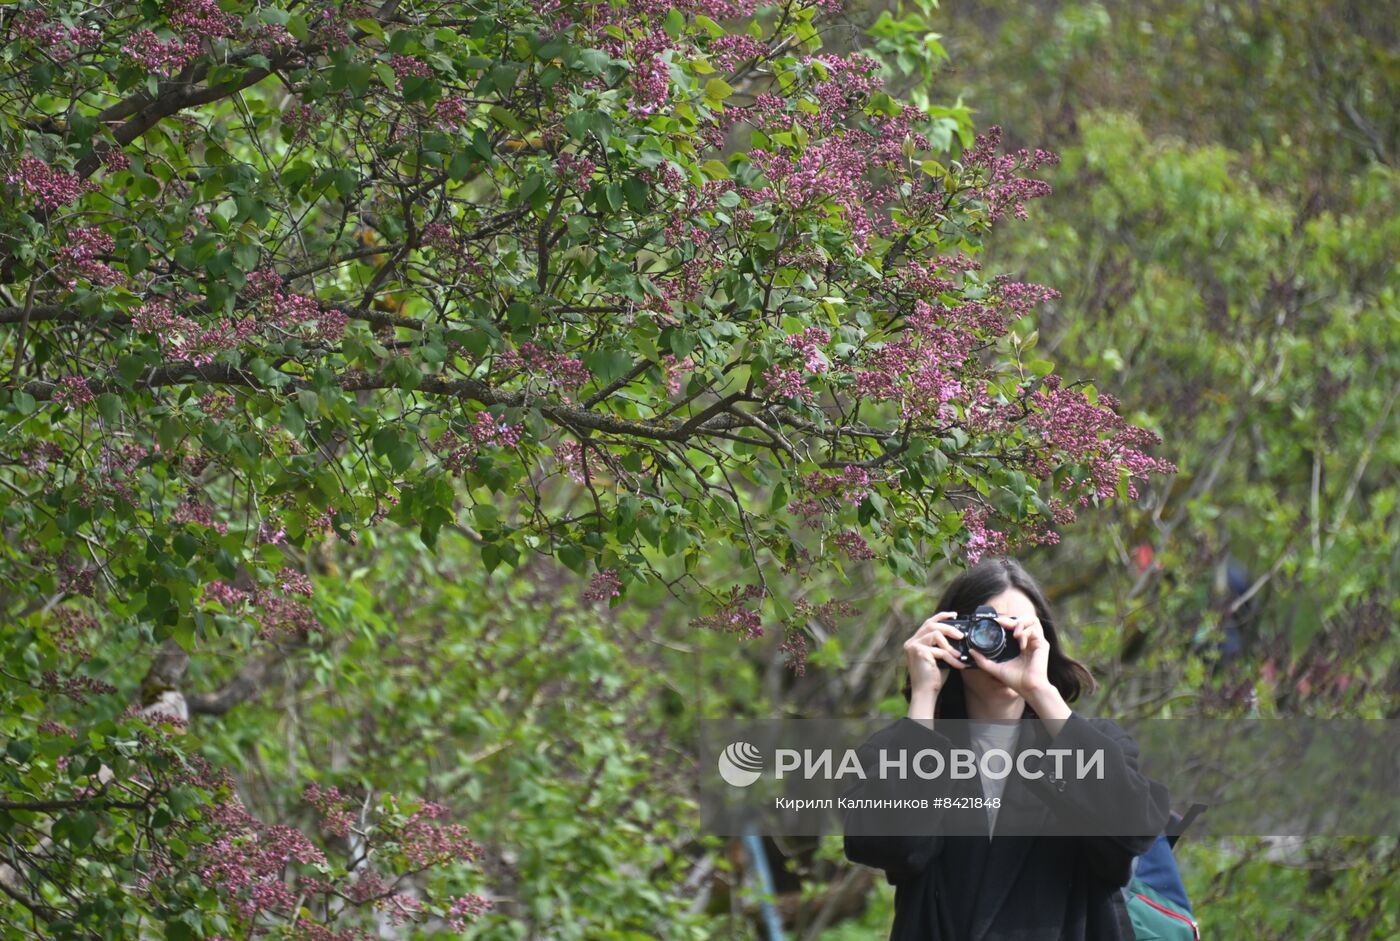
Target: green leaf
pixel 293 419
pixel 402 456
pixel 384 441
pixel 636 192
pixel 508 119
pixel 675 540
pixel 573 557
pixel 185 546
pixel 358 76
pixel 715 169
pixel 460 166
pixel 580 124
pixel 226 210
pixel 608 365
pixel 674 23
pixel 82 827
pixel 718 89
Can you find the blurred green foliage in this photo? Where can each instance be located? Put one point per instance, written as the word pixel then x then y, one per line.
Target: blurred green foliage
pixel 1224 231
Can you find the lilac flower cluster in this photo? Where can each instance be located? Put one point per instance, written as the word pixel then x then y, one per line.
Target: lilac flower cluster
pixel 734 616
pixel 69 628
pixel 77 687
pixel 440 236
pixel 184 339
pixel 604 584
pixel 794 650
pixel 673 370
pixel 401 908
pixel 72 392
pixel 337 818
pixel 485 430
pixel 451 247
pixel 925 278
pixel 248 860
pixel 115 160
pixel 465 908
pixel 452 112
pixel 77 578
pixel 833 169
pixel 164 57
pixel 293 582
pixel 809 343
pixel 79 258
pixel 981 540
pixel 57 40
pixel 731 49
pixel 651 78
pixel 1020 297
pixel 785 382
pixel 853 545
pixel 266 873
pixel 558 369
pixel 272 38
pixel 408 67
pixel 302 119
pixel 330 324
pixel 1002 186
pixel 278 614
pixel 57 730
pixel 646 41
pixel 573 456
pixel 824 493
pixel 847 85
pixel 284 310
pixel 200 514
pixel 574 169
pixel 202 18
pixel 1091 433
pixel 49 187
pixel 425 840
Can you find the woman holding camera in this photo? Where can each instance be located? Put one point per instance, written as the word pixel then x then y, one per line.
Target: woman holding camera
pixel 955 878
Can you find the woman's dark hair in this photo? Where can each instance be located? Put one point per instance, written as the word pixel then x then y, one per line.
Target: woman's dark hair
pixel 977 586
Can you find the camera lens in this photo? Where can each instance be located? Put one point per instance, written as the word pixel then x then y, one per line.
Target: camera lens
pixel 987 637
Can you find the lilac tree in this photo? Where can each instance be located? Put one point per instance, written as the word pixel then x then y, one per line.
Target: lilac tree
pixel 609 282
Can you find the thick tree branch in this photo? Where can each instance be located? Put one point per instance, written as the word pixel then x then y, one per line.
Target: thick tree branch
pixel 572 416
pixel 45 313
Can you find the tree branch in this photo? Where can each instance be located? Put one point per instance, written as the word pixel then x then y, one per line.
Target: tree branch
pixel 572 416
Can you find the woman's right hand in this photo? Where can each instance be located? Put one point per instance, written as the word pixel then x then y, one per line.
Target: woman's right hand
pixel 931 656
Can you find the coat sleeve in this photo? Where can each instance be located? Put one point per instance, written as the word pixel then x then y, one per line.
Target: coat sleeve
pixel 900 841
pixel 1115 817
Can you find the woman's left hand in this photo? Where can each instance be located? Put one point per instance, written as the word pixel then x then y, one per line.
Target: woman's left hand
pixel 1027 673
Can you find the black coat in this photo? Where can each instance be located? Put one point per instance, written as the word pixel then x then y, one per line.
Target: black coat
pixel 1012 888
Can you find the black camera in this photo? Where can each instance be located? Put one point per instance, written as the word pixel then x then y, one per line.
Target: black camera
pixel 983 633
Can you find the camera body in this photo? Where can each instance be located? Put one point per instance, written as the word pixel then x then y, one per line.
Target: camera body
pixel 985 634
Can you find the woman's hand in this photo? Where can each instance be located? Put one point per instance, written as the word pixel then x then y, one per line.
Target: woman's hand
pixel 1026 674
pixel 930 657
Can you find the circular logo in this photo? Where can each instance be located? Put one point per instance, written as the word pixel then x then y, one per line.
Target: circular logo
pixel 740 764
